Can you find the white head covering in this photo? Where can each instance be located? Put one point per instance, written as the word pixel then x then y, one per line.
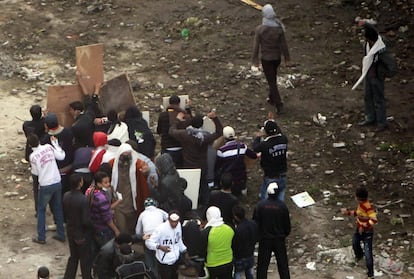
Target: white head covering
pixel 214 218
pixel 269 17
pixel 126 148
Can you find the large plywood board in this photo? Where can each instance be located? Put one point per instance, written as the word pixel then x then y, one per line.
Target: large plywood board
pixel 193 184
pixel 116 94
pixel 89 64
pixel 58 99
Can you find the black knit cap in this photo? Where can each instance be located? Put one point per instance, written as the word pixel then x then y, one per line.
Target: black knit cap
pixel 370 32
pixel 51 120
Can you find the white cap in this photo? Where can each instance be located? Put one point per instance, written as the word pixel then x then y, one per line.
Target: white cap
pixel 174 217
pixel 273 188
pixel 228 132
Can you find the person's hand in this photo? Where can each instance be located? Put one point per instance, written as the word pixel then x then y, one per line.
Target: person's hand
pixel 117 232
pixel 53 140
pixel 344 211
pixel 180 116
pixel 146 236
pixel 165 248
pixel 260 134
pixel 145 169
pixel 98 87
pixel 212 114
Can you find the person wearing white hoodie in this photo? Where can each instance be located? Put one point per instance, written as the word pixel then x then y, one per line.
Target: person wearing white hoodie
pixel 168 244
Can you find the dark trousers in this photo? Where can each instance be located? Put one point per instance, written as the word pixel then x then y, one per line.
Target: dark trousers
pixel 366 238
pixel 221 272
pixel 374 99
pixel 270 71
pixel 266 247
pixel 167 271
pixel 79 252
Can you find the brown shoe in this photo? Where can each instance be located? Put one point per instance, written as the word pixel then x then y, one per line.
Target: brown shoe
pixel 35 239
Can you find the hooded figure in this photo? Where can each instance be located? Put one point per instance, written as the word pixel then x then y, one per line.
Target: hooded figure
pixel 139 131
pixel 268 47
pixel 100 139
pixel 170 185
pixel 129 178
pixel 217 239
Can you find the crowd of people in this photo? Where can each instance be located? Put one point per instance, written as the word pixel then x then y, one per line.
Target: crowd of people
pixel 101 177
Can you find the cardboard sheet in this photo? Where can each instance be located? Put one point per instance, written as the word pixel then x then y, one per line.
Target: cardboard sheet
pixel 58 99
pixel 116 94
pixel 89 64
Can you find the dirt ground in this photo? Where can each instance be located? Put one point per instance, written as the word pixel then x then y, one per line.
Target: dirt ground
pixel 142 39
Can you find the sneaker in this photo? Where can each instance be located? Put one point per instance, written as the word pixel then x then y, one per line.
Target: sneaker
pixel 35 239
pixel 58 238
pixel 51 227
pixel 366 123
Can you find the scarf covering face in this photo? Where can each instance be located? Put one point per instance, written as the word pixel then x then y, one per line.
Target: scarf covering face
pixel 269 17
pixel 196 132
pixel 214 218
pixel 369 58
pixel 126 148
pixel 165 165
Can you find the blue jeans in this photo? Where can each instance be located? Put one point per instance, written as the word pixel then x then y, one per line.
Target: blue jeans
pixel 244 265
pixel 366 238
pixel 51 194
pixel 281 182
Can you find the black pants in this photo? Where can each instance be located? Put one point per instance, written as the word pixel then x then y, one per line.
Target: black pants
pixel 167 271
pixel 221 272
pixel 79 252
pixel 270 71
pixel 266 247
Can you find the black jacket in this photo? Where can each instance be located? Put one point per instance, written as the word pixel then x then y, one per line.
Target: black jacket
pixel 274 151
pixel 163 126
pixel 272 218
pixel 245 238
pixel 77 215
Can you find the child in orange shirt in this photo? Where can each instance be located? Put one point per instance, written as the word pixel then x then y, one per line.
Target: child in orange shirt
pixel 366 218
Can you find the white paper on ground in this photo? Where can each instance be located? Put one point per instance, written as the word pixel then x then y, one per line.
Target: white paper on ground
pixel 303 199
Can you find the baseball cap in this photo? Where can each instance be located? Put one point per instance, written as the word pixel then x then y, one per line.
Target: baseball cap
pixel 273 188
pixel 228 132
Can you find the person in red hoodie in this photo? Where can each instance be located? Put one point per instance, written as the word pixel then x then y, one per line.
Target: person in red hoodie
pixel 100 139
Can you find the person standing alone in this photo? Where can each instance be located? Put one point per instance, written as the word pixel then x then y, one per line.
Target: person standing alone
pixel 270 40
pixel 273 222
pixel 377 64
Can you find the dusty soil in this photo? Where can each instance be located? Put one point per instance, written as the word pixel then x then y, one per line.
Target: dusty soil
pixel 142 39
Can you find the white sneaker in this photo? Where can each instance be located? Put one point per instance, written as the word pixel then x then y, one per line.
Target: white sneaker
pixel 51 227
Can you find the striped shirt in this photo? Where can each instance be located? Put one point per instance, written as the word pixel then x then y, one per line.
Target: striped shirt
pixel 366 216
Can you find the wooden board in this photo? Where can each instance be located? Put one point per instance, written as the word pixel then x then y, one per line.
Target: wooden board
pixel 58 99
pixel 89 64
pixel 116 94
pixel 253 4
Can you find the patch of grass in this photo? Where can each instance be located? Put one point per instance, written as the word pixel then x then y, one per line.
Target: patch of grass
pixel 313 190
pixel 406 148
